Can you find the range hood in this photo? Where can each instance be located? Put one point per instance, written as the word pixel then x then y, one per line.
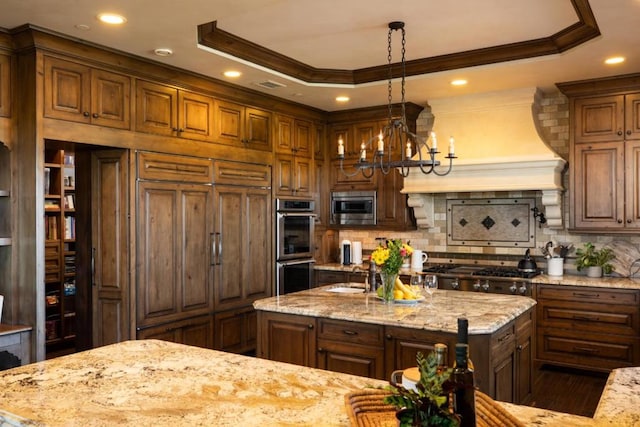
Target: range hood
pixel 499 148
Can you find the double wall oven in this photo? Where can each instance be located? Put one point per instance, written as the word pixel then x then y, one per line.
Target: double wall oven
pixel 295 221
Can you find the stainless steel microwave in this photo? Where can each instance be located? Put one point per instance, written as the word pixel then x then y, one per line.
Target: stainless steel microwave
pixel 353 208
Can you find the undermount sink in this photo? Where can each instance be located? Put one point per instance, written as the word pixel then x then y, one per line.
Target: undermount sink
pixel 347 288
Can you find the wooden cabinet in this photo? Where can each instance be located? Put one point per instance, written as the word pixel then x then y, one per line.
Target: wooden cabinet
pixel 326 277
pixel 239 125
pixel 174 238
pixel 287 338
pixel 524 357
pixel 5 86
pixel 295 136
pixel 588 328
pixel 293 176
pixel 60 253
pixel 197 331
pixel 166 110
pixel 351 348
pixel 242 228
pixel 83 94
pixel 393 212
pixel 235 330
pixel 320 141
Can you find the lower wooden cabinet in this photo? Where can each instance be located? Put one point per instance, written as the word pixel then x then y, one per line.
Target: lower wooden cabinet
pixel 235 330
pixel 287 338
pixel 351 348
pixel 588 328
pixel 197 331
pixel 502 360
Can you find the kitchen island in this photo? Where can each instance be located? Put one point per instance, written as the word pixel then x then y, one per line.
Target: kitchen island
pixel 356 333
pixel 157 383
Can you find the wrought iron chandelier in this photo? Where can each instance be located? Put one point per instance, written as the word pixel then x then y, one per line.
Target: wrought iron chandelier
pixel 396 147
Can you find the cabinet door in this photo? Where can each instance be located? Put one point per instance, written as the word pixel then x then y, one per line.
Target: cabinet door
pixel 287 338
pixel 5 86
pixel 599 185
pixel 257 124
pixel 242 256
pixel 197 332
pixel 285 141
pixel 338 132
pixel 303 142
pixel 235 330
pixel 392 210
pixel 632 116
pixel 523 385
pixel 352 181
pixel 403 345
pixel 66 90
pixel 319 141
pixel 110 99
pixel 599 119
pixel 195 118
pixel 503 372
pixel 156 108
pixel 110 258
pixel 351 359
pixel 229 123
pixel 632 184
pixel 173 251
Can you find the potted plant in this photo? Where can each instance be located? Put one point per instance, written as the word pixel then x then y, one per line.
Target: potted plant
pixel 594 261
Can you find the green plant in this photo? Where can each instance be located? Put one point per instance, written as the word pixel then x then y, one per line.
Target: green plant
pixel 589 256
pixel 428 406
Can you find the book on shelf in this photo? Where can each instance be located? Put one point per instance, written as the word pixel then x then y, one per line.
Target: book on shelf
pixel 51 227
pixel 51 204
pixel 69 228
pixel 69 202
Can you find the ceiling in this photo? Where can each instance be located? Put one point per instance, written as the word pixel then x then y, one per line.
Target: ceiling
pixel 352 35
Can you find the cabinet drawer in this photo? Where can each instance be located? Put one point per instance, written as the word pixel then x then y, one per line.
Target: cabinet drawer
pixel 174 168
pixel 596 351
pixel 235 173
pixel 585 294
pixel 324 277
pixel 503 342
pixel 351 332
pixel 597 318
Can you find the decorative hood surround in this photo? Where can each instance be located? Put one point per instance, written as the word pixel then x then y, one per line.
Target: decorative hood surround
pixel 499 149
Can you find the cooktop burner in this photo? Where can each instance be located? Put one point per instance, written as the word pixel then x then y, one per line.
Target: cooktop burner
pixel 440 268
pixel 505 272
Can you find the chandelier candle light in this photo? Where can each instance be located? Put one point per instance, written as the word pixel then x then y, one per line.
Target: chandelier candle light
pixel 396 135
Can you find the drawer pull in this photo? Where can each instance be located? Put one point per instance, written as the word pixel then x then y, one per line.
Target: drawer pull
pixel 586 318
pixel 348 332
pixel 504 338
pixel 586 350
pixel 310 326
pixel 586 294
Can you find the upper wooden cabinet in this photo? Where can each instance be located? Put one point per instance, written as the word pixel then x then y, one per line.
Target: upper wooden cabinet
pixel 293 176
pixel 5 86
pixel 295 136
pixel 240 125
pixel 320 141
pixel 82 94
pixel 165 110
pixel 607 118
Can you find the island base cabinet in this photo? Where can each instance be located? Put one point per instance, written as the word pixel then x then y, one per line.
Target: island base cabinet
pixel 287 338
pixel 352 359
pixel 235 331
pixel 197 331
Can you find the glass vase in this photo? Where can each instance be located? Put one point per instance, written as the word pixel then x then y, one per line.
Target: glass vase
pixel 388 285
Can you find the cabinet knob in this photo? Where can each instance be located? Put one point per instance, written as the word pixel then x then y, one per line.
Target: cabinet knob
pixel 86 114
pixel 320 350
pixel 619 221
pixel 389 337
pixel 519 348
pixel 628 131
pixel 310 325
pixel 95 115
pixel 619 133
pixel 628 221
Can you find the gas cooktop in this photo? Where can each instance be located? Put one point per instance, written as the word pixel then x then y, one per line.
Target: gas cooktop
pixel 477 270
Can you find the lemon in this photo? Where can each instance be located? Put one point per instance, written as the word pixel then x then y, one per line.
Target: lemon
pixel 398 294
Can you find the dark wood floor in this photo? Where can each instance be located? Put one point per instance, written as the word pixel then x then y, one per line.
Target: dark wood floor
pixel 567 390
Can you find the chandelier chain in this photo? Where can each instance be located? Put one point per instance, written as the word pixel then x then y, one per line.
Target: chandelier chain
pixel 390 74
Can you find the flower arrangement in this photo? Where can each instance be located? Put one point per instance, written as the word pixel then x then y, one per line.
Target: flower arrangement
pixel 390 257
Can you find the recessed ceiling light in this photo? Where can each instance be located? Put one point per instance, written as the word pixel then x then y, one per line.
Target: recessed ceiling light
pixel 163 51
pixel 112 18
pixel 342 98
pixel 232 74
pixel 614 60
pixel 459 82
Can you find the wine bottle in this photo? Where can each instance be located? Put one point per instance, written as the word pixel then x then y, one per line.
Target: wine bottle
pixel 463 392
pixel 463 337
pixel 440 351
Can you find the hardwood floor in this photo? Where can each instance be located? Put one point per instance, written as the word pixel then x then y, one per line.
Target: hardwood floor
pixel 568 390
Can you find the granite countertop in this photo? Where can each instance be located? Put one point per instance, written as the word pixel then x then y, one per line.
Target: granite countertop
pixel 157 383
pixel 486 312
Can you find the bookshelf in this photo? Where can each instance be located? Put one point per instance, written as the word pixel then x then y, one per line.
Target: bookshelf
pixel 60 254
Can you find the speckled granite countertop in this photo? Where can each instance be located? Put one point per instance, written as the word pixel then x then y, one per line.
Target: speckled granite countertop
pixel 486 312
pixel 157 383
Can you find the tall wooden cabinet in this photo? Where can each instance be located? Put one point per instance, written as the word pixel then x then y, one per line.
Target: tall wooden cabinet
pixel 605 154
pixel 293 164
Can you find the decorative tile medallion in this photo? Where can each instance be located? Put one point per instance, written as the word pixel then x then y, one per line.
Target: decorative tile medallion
pixel 491 222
